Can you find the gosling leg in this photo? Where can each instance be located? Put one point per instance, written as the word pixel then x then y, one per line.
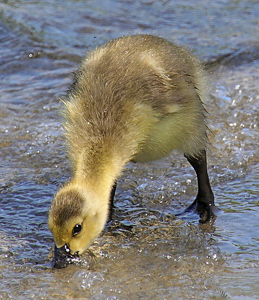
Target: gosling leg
pixel 111 206
pixel 204 202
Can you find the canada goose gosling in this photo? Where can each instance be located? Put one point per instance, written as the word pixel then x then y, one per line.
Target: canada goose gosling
pixel 134 99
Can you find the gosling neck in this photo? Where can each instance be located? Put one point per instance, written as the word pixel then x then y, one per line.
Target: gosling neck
pixel 96 175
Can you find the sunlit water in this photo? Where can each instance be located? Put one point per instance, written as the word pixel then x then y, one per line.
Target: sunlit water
pixel 146 253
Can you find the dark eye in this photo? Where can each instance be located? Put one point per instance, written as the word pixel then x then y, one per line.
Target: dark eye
pixel 77 229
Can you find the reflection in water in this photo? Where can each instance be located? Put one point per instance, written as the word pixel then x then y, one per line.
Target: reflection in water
pixel 146 253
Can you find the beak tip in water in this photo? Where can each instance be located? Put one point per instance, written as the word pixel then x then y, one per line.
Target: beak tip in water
pixel 63 257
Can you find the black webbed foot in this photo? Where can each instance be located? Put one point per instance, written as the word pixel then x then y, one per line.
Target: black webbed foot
pixel 207 212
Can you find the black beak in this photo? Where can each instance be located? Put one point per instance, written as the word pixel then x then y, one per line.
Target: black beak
pixel 63 257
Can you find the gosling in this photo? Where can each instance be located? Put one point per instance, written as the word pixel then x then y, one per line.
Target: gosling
pixel 134 99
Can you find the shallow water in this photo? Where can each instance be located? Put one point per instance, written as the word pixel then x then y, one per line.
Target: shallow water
pixel 146 253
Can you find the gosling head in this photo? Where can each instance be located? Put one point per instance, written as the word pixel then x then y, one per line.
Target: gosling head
pixel 74 221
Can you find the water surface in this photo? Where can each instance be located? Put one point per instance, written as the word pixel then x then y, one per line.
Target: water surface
pixel 146 253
